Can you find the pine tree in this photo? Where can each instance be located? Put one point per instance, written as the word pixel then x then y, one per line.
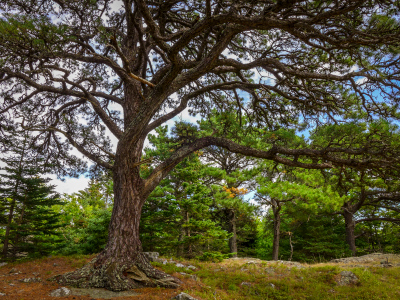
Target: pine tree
pixel 26 202
pixel 177 214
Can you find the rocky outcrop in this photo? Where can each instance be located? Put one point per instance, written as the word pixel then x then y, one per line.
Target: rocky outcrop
pixel 61 292
pixel 347 278
pixel 153 256
pixel 184 296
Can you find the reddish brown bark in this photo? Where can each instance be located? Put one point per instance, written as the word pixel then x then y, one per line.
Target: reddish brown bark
pixel 350 227
pixel 122 265
pixel 232 229
pixel 276 207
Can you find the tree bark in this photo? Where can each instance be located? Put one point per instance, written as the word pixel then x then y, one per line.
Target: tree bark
pixel 277 227
pixel 350 227
pixel 122 265
pixel 232 229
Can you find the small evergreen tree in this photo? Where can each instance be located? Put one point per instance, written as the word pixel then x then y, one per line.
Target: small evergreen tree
pixel 26 198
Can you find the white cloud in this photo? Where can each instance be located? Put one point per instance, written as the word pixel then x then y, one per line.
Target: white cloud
pixel 70 185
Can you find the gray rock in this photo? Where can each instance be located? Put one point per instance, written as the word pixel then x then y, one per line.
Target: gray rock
pixel 13 270
pixel 386 264
pixel 55 264
pixel 2 264
pixel 291 264
pixel 102 293
pixel 194 277
pixel 183 273
pixel 245 283
pixel 179 265
pixel 191 267
pixel 271 285
pixel 32 279
pixel 269 270
pixel 2 294
pixel 61 292
pixel 152 256
pixel 347 278
pixel 184 296
pixel 359 259
pixel 164 261
pixel 244 269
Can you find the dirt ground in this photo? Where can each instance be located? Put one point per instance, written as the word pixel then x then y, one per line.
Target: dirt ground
pixel 14 289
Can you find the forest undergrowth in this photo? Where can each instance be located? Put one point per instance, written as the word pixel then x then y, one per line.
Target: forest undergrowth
pixel 242 278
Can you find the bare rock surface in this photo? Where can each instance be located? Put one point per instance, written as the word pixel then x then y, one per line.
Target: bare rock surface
pixel 386 260
pixel 288 264
pixel 184 296
pixel 347 278
pixel 194 277
pixel 101 293
pixel 269 270
pixel 94 293
pixel 153 256
pixel 61 292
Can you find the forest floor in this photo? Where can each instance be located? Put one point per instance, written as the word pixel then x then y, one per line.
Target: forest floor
pixel 377 277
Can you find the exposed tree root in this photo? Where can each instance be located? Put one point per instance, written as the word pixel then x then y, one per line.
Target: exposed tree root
pixel 118 275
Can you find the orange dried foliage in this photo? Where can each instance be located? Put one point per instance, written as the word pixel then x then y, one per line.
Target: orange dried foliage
pixel 234 192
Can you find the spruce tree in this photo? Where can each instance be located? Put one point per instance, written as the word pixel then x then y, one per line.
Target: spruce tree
pixel 26 202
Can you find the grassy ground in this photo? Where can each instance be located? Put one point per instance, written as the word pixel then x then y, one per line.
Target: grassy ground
pixel 230 279
pixel 265 280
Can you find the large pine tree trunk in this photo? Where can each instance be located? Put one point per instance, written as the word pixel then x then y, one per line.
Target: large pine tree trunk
pixel 122 265
pixel 350 227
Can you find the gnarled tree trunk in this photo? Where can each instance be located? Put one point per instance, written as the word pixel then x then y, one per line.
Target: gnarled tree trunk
pixel 122 265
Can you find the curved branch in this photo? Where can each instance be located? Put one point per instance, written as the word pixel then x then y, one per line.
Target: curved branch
pixel 276 153
pixel 68 92
pixel 79 147
pixel 377 219
pixel 20 102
